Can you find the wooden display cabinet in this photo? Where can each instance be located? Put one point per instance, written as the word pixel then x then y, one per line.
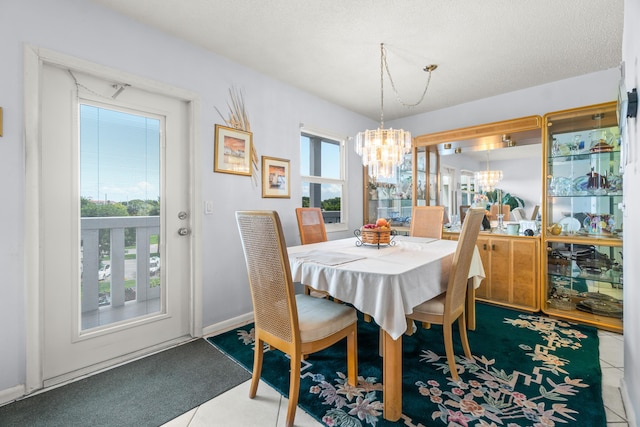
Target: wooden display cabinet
pixel 582 217
pixel 511 266
pixel 512 269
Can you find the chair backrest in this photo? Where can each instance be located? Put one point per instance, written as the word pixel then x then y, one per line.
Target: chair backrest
pixel 427 221
pixel 463 212
pixel 534 214
pixel 267 260
pixel 494 211
pixel 518 214
pixel 311 225
pixel 457 286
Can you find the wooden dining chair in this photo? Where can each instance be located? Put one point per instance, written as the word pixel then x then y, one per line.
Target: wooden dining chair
pixel 297 325
pixel 494 211
pixel 427 221
pixel 450 305
pixel 311 225
pixel 312 230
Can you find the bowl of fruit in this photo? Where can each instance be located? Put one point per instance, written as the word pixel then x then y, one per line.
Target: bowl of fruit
pixel 377 233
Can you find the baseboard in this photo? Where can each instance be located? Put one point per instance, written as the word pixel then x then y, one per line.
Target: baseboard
pixel 227 325
pixel 10 394
pixel 628 406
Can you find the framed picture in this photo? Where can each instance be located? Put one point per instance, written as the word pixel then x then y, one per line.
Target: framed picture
pixel 232 151
pixel 275 177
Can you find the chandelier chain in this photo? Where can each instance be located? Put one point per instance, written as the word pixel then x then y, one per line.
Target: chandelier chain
pixel 384 63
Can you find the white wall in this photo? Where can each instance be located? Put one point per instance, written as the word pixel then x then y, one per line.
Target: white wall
pixel 631 384
pixel 589 89
pixel 87 31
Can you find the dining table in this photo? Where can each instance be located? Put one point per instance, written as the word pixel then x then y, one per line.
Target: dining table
pixel 384 282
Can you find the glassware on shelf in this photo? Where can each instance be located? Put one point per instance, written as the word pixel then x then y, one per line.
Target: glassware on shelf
pixel 555 148
pixel 500 226
pixel 575 146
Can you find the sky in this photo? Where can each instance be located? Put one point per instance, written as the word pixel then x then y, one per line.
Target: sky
pixel 119 155
pixel 330 167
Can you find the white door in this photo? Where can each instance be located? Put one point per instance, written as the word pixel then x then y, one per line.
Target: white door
pixel 115 221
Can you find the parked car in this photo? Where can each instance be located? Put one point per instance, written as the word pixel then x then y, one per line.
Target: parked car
pixel 154 265
pixel 104 272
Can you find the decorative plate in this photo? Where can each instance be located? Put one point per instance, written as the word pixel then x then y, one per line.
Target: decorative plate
pixel 571 223
pixel 598 296
pixel 561 304
pixel 603 308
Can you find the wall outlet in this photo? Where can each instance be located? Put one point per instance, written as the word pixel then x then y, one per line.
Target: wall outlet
pixel 208 207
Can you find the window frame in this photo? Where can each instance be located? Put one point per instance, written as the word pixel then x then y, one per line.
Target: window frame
pixel 341 181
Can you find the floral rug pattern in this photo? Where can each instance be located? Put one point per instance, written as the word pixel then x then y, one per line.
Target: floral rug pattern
pixel 538 394
pixel 492 399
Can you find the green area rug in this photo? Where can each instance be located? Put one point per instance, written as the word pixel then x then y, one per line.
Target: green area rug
pixel 529 370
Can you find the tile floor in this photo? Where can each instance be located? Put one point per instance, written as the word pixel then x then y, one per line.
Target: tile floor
pixel 234 408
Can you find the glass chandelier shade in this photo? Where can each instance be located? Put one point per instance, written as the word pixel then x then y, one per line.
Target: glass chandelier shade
pixel 488 179
pixel 383 150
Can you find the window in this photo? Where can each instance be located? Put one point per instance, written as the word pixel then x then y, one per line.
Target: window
pixel 467 189
pixel 322 171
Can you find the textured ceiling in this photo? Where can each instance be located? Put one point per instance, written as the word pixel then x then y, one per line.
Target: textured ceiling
pixel 331 48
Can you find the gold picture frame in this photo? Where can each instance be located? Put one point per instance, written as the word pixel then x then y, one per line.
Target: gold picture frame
pixel 232 151
pixel 276 176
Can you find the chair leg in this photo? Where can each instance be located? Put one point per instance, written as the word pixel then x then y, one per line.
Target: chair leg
pixel 409 330
pixel 294 387
pixel 352 358
pixel 257 368
pixel 448 348
pixel 462 324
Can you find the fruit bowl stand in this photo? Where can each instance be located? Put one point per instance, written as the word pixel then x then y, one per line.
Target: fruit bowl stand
pixel 381 236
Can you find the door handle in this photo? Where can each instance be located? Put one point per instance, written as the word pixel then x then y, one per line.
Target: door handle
pixel 183 231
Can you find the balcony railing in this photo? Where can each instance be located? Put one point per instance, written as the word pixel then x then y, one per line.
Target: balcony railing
pixel 121 269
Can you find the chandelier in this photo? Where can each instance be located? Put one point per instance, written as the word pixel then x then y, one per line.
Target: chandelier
pixel 488 179
pixel 383 150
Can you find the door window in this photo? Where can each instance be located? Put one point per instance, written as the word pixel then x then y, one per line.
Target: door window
pixel 120 214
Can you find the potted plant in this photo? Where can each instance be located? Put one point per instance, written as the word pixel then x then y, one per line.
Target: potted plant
pixel 507 199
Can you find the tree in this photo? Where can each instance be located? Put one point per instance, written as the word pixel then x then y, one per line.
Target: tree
pixel 331 204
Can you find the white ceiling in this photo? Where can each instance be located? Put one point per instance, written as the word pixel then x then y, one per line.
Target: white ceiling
pixel 331 48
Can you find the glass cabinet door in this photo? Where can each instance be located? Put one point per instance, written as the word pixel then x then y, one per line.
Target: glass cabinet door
pixel 583 220
pixel 390 198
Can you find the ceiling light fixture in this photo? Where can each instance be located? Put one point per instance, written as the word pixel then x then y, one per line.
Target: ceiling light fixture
pixel 488 179
pixel 384 149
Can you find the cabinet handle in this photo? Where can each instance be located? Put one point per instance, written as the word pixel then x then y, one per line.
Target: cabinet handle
pixel 484 246
pixel 493 247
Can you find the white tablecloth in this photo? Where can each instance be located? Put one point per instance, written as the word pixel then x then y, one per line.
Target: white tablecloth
pixel 385 282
